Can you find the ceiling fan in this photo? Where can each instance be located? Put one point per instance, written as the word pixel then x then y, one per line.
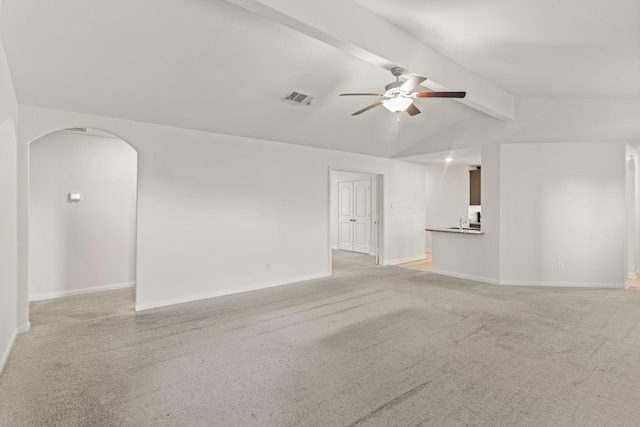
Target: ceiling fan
pixel 398 95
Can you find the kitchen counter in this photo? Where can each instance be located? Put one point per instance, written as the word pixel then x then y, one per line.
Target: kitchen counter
pixel 457 230
pixel 462 253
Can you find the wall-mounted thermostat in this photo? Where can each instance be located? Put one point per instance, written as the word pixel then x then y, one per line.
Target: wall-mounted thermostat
pixel 73 197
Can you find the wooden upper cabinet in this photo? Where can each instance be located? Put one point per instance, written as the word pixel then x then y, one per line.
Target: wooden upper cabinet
pixel 474 187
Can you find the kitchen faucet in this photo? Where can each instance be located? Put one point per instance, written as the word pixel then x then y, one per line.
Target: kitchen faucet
pixel 463 221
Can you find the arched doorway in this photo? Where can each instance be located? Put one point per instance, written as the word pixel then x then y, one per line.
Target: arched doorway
pixel 82 213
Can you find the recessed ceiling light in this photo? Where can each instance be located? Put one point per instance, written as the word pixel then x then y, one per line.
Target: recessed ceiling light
pixel 448 159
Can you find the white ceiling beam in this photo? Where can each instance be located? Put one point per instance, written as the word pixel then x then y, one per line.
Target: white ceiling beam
pixel 355 30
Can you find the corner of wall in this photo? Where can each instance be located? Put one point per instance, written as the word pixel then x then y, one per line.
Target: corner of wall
pixel 8 211
pixel 7 350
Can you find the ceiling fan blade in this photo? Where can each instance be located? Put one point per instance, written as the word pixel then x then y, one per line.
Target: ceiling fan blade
pixel 360 94
pixel 440 94
pixel 412 83
pixel 367 108
pixel 412 110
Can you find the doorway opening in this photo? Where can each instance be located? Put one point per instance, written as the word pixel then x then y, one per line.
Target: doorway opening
pixel 82 214
pixel 633 231
pixel 355 216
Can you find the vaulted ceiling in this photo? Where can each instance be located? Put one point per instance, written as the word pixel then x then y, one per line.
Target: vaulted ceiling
pixel 225 66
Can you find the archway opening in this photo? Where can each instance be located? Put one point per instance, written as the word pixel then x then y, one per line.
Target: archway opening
pixel 82 214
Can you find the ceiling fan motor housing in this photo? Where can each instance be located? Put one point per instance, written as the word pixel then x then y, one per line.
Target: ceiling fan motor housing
pixel 395 85
pixel 397 71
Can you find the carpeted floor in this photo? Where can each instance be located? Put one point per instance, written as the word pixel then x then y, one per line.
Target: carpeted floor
pixel 371 346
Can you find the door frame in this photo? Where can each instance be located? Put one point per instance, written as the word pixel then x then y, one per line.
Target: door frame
pixel 378 228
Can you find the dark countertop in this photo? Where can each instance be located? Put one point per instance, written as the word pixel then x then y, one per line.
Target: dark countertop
pixel 457 230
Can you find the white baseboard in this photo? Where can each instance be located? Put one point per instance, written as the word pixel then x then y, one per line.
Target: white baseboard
pixel 164 303
pixel 466 276
pixel 564 284
pixel 7 350
pixel 61 294
pixel 403 260
pixel 530 283
pixel 24 328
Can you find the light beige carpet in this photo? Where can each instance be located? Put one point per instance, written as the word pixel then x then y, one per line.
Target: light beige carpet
pixel 372 346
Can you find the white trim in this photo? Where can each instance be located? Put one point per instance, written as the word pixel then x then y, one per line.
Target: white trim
pixel 164 303
pixel 7 351
pixel 330 219
pixel 381 184
pixel 529 283
pixel 564 284
pixel 24 328
pixel 403 260
pixel 466 276
pixel 356 170
pixel 379 176
pixel 61 294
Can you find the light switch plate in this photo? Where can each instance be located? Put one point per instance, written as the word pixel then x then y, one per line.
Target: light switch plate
pixel 73 197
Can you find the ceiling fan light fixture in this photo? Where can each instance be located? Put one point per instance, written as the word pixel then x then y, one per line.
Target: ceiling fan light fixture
pixel 398 104
pixel 399 96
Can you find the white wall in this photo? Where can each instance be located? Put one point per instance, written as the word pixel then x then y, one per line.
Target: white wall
pixel 545 120
pixel 633 210
pixel 214 210
pixel 89 245
pixel 630 182
pixel 553 214
pixel 475 257
pixel 563 214
pixel 487 259
pixel 8 211
pixel 447 197
pixel 404 212
pixel 635 237
pixel 341 176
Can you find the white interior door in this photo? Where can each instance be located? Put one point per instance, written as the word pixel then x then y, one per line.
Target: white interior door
pixel 362 216
pixel 345 216
pixel 354 216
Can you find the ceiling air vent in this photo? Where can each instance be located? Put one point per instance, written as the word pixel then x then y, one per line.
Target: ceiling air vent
pixel 297 98
pixel 79 130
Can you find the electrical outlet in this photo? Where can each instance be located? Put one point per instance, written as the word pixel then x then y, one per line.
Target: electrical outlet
pixel 560 265
pixel 268 266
